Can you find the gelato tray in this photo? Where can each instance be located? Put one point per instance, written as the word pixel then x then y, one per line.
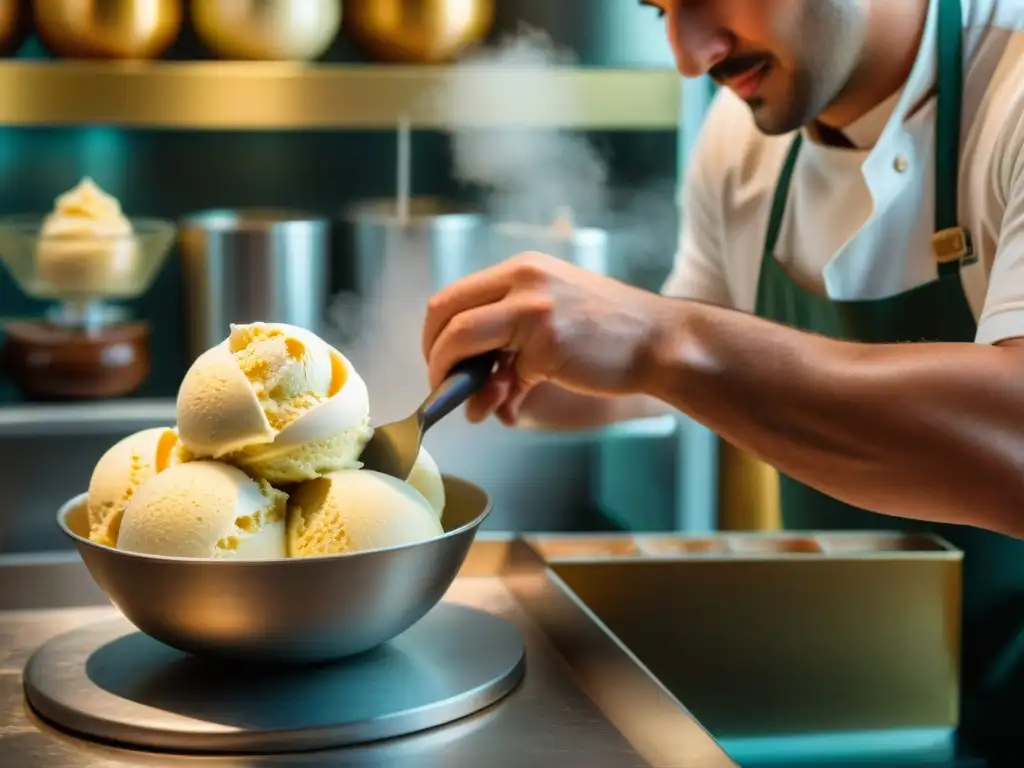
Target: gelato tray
pixel 510 669
pixel 788 633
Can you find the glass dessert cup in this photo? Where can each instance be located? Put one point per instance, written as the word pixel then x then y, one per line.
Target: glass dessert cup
pixel 85 347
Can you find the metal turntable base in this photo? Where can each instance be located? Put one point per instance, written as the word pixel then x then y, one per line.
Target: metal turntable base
pixel 110 682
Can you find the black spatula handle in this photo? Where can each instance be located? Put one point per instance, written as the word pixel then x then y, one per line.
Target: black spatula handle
pixel 463 380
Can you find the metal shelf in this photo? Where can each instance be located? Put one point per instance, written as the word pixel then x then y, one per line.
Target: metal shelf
pixel 103 418
pixel 284 96
pixel 130 415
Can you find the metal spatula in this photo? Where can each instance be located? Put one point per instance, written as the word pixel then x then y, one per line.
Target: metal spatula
pixel 394 447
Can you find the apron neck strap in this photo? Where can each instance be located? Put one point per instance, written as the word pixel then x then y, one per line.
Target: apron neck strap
pixel 950 93
pixel 951 243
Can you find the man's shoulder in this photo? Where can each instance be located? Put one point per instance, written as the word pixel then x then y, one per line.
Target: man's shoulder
pixel 996 76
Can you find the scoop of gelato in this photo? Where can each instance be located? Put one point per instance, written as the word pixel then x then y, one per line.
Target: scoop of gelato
pixel 276 401
pixel 121 471
pixel 205 509
pixel 357 510
pixel 86 245
pixel 426 478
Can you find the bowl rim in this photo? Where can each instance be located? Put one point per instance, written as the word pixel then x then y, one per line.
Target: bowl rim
pixel 27 226
pixel 82 498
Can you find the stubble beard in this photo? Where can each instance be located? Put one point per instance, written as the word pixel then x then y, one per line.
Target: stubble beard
pixel 832 38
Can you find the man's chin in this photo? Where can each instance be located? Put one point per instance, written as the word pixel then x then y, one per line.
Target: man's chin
pixel 772 121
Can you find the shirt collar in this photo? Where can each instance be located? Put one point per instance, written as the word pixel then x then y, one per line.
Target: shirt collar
pixel 865 132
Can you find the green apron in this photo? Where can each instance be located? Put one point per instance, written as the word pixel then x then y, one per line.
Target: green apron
pixel 993 645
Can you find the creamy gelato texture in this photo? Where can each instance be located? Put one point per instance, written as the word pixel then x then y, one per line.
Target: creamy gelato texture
pixel 86 244
pixel 426 478
pixel 263 462
pixel 357 510
pixel 277 401
pixel 205 509
pixel 120 472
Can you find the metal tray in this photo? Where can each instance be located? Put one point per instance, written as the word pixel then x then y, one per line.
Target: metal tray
pixel 765 635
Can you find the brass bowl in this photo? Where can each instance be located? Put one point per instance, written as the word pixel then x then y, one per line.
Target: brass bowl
pixel 15 25
pixel 107 29
pixel 267 30
pixel 417 31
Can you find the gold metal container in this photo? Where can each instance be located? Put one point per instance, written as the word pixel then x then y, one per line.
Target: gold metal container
pixel 108 29
pixel 267 30
pixel 15 24
pixel 766 635
pixel 417 31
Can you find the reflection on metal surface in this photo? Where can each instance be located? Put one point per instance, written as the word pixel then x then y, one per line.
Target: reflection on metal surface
pixel 777 634
pixel 109 681
pixel 593 708
pixel 282 95
pixel 266 30
pixel 417 31
pixel 748 492
pixel 611 674
pixel 117 417
pixel 108 29
pixel 252 265
pixel 15 24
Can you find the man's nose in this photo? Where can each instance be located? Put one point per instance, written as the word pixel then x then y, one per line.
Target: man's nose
pixel 698 42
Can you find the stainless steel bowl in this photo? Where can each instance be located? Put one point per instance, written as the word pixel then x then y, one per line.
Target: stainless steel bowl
pixel 300 610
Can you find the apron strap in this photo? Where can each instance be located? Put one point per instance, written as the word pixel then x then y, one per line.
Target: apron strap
pixel 780 198
pixel 951 242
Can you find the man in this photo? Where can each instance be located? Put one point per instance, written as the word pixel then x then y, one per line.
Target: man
pixel 858 184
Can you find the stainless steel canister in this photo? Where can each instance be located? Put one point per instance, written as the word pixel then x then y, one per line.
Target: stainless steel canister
pixel 249 265
pixel 386 267
pixel 627 249
pixel 586 247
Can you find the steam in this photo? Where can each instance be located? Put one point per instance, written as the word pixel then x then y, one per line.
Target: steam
pixel 544 177
pixel 541 186
pixel 529 173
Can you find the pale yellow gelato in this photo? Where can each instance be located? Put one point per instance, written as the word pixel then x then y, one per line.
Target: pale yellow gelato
pixel 276 401
pixel 356 510
pixel 87 245
pixel 205 509
pixel 426 478
pixel 120 471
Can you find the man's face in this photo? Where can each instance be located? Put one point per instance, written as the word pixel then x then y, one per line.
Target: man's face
pixel 788 59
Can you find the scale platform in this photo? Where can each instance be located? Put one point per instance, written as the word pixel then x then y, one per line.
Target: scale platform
pixel 111 683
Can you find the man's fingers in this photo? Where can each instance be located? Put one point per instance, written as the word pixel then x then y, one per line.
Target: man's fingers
pixel 488 286
pixel 487 400
pixel 512 405
pixel 473 332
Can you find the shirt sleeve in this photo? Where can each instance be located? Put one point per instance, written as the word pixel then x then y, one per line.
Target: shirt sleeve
pixel 698 272
pixel 1003 315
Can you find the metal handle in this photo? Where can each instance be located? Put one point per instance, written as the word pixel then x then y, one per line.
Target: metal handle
pixel 465 379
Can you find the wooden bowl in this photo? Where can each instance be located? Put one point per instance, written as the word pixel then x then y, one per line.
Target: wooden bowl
pixel 267 30
pixel 107 29
pixel 50 362
pixel 417 31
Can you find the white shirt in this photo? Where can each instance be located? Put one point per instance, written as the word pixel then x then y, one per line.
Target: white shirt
pixel 859 222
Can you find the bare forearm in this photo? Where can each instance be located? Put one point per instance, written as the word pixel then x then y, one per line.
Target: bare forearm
pixel 930 431
pixel 549 407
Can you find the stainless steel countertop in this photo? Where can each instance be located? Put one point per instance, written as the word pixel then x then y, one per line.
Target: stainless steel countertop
pixel 585 700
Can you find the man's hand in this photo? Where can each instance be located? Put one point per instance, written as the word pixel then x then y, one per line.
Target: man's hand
pixel 556 322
